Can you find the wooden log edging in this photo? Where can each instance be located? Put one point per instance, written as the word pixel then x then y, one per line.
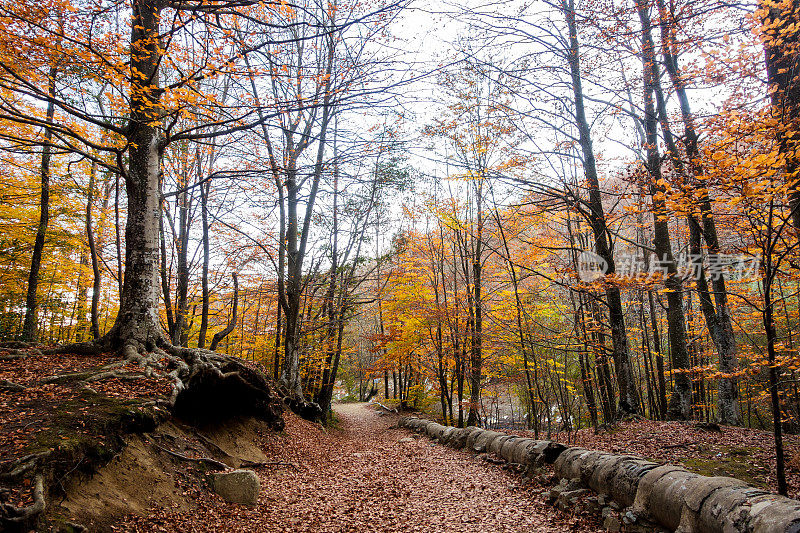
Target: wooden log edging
pixel 634 494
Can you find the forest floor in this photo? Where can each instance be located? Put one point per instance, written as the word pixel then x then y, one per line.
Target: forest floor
pixel 368 475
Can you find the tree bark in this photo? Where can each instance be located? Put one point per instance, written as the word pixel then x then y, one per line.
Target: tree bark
pixel 476 344
pixel 680 402
pixel 205 189
pixel 628 394
pixel 137 320
pixel 29 333
pixel 220 335
pixel 716 312
pixel 96 276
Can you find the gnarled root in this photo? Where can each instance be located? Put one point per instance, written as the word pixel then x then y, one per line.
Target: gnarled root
pixel 302 407
pixel 207 386
pixel 214 386
pixel 14 518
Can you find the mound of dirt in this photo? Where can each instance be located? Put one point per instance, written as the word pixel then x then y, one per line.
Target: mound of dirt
pixel 161 469
pixel 133 482
pixel 86 439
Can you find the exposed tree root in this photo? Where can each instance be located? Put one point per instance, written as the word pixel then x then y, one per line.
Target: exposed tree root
pixel 256 464
pixel 14 470
pixel 14 354
pixel 15 344
pixel 21 518
pixel 10 386
pixel 308 410
pixel 79 348
pixel 207 386
pixel 213 463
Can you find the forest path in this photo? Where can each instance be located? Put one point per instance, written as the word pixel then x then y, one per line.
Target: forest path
pixel 368 475
pixel 371 476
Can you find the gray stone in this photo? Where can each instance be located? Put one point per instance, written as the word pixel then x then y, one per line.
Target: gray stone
pixel 496 445
pixel 772 513
pixel 547 451
pixel 444 438
pixel 434 430
pixel 666 497
pixel 627 476
pixel 726 509
pixel 474 433
pixel 238 486
pixel 507 451
pixel 521 451
pixel 568 498
pixel 612 523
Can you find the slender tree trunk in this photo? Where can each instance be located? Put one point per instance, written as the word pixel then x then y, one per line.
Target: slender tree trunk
pixel 166 274
pixel 220 335
pixel 205 189
pixel 770 270
pixel 476 345
pixel 716 313
pixel 96 279
pixel 182 290
pixel 29 327
pixel 118 237
pixel 680 403
pixel 628 394
pixel 297 239
pixel 331 336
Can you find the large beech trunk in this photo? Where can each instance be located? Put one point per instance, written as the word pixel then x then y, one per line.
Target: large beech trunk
pixel 137 319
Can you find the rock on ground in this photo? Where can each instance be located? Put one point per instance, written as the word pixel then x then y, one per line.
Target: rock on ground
pixel 237 486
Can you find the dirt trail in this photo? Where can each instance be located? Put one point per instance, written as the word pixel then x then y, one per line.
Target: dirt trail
pixel 370 476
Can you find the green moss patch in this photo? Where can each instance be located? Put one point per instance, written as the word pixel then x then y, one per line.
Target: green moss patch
pixel 731 461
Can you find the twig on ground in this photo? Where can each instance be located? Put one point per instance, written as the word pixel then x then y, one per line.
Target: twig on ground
pixel 253 464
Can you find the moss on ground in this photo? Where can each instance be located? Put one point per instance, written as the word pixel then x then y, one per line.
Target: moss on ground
pixel 732 461
pixel 87 431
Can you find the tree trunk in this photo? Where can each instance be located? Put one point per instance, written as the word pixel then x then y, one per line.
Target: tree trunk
pixel 137 320
pixel 680 403
pixel 182 290
pixel 770 269
pixel 220 335
pixel 476 344
pixel 205 189
pixel 29 327
pixel 716 313
pixel 96 279
pixel 628 394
